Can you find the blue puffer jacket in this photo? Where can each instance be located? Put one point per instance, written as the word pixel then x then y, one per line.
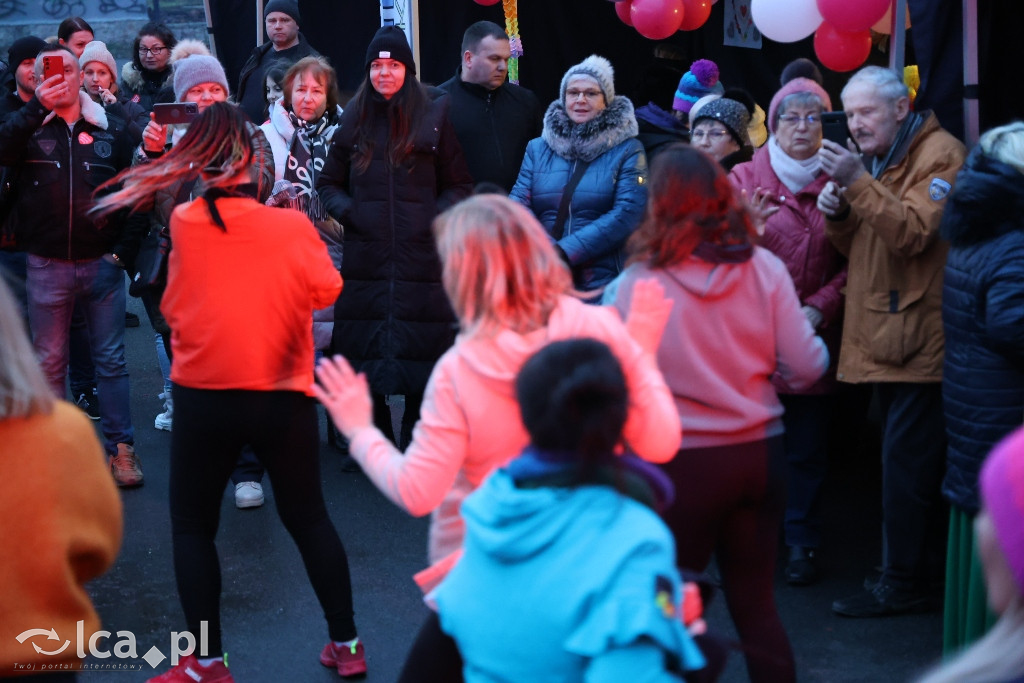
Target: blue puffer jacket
pixel 983 319
pixel 608 202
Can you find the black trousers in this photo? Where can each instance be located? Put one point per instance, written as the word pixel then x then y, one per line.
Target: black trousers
pixel 210 428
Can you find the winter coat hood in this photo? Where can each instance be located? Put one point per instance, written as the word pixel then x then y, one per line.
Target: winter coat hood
pixel 706 280
pixel 988 201
pixel 587 141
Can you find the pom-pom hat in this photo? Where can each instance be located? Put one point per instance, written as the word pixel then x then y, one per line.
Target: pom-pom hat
pixel 700 80
pixel 597 69
pixel 791 88
pixel 193 65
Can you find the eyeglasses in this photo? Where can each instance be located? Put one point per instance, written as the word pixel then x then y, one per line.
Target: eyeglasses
pixel 714 134
pixel 588 94
pixel 155 51
pixel 811 120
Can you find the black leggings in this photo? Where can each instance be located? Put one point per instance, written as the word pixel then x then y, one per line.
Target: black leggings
pixel 210 428
pixel 434 657
pixel 729 501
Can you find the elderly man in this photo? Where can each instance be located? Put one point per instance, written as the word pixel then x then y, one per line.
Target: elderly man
pixel 883 211
pixel 63 146
pixel 493 119
pixel 285 47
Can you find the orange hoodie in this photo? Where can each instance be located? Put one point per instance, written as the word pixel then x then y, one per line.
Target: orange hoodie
pixel 240 302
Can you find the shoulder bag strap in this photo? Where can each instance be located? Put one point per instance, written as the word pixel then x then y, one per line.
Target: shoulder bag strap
pixel 563 209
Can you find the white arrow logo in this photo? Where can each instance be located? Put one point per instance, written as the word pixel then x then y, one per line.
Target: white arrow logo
pixel 50 635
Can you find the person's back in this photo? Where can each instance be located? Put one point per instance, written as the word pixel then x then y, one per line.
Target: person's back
pixel 532 530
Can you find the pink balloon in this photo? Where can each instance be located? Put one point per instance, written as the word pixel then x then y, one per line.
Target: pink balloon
pixel 622 9
pixel 487 2
pixel 695 13
pixel 656 19
pixel 841 50
pixel 850 16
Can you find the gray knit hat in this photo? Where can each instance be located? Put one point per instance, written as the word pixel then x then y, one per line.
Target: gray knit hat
pixel 731 114
pixel 597 68
pixel 96 51
pixel 196 69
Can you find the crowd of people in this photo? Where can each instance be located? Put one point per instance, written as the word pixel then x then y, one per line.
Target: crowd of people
pixel 612 326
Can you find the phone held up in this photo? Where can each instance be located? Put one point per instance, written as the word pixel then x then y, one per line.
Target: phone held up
pixel 835 128
pixel 53 65
pixel 175 112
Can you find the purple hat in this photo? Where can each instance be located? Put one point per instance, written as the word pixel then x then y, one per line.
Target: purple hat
pixel 700 80
pixel 1002 491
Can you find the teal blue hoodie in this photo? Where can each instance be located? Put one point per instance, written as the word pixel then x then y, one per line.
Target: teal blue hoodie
pixel 565 584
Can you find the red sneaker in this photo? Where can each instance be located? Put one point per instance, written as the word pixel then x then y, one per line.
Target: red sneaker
pixel 349 660
pixel 189 670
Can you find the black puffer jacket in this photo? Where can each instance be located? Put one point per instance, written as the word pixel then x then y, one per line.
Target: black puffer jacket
pixel 983 319
pixel 393 320
pixel 57 167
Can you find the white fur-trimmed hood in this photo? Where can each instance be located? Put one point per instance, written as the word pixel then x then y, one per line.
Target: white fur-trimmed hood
pixel 91 111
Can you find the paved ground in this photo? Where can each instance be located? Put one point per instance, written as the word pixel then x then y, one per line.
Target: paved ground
pixel 273 626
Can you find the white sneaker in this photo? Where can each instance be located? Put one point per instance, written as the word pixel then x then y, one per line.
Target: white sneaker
pixel 248 494
pixel 164 420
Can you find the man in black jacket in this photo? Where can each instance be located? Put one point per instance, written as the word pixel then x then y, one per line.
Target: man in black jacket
pixel 63 146
pixel 493 119
pixel 285 47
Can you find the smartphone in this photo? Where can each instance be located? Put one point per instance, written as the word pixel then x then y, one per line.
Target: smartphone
pixel 834 128
pixel 53 65
pixel 175 112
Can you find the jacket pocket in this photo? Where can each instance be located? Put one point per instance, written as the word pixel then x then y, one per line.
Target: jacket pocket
pixel 894 325
pixel 97 174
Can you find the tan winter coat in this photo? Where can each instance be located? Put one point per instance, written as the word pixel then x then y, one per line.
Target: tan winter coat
pixel 893 323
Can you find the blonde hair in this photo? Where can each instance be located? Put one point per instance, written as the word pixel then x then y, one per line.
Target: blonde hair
pixel 500 269
pixel 24 390
pixel 999 656
pixel 1005 144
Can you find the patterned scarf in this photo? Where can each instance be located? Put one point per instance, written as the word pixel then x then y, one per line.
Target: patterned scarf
pixel 307 154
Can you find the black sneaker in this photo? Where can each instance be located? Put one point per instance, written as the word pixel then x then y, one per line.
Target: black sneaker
pixel 131 320
pixel 884 600
pixel 801 569
pixel 90 405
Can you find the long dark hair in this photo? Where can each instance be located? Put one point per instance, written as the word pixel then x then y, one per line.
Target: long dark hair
pixel 689 200
pixel 404 109
pixel 157 30
pixel 71 26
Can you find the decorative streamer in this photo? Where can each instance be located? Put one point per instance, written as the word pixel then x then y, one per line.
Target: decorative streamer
pixel 514 41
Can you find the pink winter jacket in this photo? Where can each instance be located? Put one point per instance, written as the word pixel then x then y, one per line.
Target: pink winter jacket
pixel 470 424
pixel 796 234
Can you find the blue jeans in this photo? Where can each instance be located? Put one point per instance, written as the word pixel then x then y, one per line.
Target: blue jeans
pixel 54 287
pixel 12 270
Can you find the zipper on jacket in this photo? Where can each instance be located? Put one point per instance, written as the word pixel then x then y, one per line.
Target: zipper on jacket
pixel 495 133
pixel 71 188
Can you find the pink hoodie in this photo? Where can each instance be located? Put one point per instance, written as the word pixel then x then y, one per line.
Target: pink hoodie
pixel 470 424
pixel 732 327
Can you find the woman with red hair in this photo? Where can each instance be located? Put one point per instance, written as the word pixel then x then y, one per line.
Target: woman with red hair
pixel 735 323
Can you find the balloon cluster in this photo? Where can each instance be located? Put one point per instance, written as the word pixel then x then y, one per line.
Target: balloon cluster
pixel 658 19
pixel 841 28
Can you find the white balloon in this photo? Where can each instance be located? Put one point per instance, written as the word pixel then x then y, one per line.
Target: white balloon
pixel 785 21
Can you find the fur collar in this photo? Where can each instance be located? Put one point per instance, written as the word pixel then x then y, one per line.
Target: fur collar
pixel 589 140
pixel 134 80
pixel 91 111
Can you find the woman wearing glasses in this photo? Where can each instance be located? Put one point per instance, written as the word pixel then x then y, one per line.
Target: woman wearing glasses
pixel 585 176
pixel 788 171
pixel 148 76
pixel 720 130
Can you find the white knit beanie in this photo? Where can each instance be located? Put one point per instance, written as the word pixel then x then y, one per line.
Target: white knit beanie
pixel 596 68
pixel 96 51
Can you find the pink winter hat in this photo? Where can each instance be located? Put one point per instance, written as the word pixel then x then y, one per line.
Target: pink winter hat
pixel 792 87
pixel 1002 492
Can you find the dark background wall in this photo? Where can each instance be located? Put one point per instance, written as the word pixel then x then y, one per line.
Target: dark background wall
pixel 559 33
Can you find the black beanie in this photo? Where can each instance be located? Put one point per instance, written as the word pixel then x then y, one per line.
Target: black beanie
pixel 288 7
pixel 27 47
pixel 389 43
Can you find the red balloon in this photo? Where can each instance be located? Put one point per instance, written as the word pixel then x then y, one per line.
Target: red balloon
pixel 695 13
pixel 487 2
pixel 850 16
pixel 622 9
pixel 841 50
pixel 656 19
